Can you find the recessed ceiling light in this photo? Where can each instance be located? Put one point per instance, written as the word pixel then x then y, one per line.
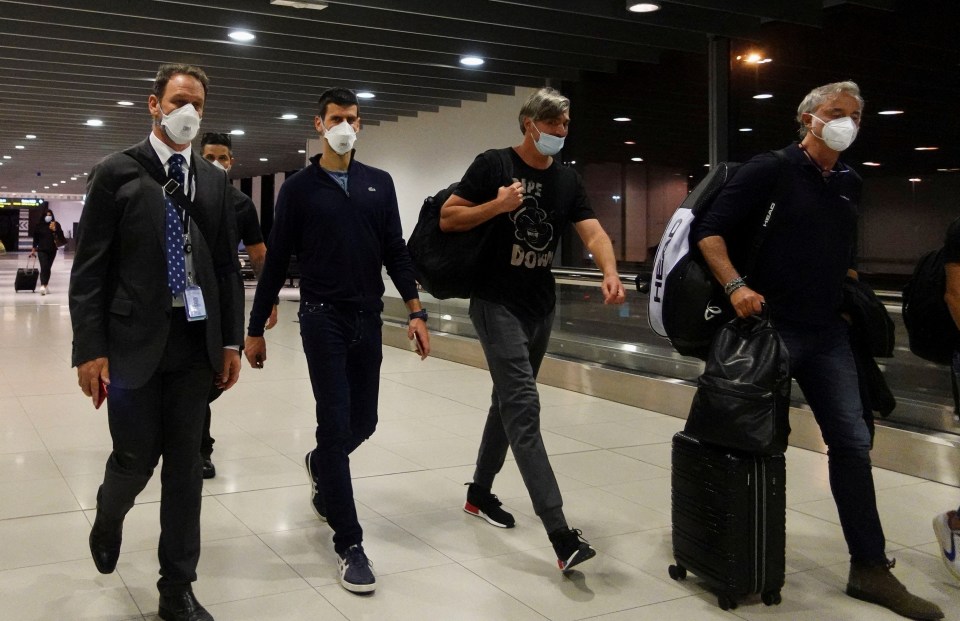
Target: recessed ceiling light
pixel 124 103
pixel 94 122
pixel 7 157
pixel 365 95
pixel 746 129
pixel 301 151
pixel 62 181
pixel 237 132
pixel 642 7
pixel 54 184
pixel 242 35
pixel 73 178
pixel 301 4
pixel 636 159
pixel 890 112
pixel 621 119
pixel 33 191
pixel 263 159
pixel 46 187
pixel 763 96
pixel 31 136
pixel 471 61
pixel 19 146
pixel 629 142
pixel 915 180
pixel 871 163
pixel 289 116
pixel 926 148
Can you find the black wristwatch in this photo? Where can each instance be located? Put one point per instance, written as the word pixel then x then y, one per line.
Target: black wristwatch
pixel 420 314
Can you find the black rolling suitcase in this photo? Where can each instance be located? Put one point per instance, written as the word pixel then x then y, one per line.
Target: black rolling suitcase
pixel 729 520
pixel 27 277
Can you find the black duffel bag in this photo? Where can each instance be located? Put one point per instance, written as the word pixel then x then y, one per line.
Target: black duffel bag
pixel 743 396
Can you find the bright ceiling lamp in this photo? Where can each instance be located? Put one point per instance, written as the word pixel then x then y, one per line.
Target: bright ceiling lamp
pixel 365 95
pixel 890 112
pixel 243 36
pixel 471 61
pixel 237 132
pixel 763 96
pixel 288 116
pixel 642 7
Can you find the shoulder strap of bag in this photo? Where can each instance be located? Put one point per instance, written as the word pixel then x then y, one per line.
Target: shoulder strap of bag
pixel 506 165
pixel 170 187
pixel 779 191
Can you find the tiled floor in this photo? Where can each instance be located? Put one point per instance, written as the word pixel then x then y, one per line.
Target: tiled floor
pixel 265 556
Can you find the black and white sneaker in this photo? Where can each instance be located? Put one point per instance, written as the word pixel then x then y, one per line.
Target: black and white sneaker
pixel 316 497
pixel 483 504
pixel 571 548
pixel 356 571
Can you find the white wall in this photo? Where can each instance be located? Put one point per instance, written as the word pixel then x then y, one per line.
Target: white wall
pixel 67 213
pixel 426 153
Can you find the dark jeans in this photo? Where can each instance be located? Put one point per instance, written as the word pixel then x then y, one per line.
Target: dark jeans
pixel 163 418
pixel 46 261
pixel 822 363
pixel 344 350
pixel 514 349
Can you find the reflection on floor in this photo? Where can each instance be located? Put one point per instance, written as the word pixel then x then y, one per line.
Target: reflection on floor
pixel 265 556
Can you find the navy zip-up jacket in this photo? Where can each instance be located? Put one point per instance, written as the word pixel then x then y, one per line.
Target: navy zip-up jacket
pixel 341 239
pixel 812 238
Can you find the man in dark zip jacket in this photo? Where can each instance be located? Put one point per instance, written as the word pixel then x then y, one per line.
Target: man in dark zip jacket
pixel 341 219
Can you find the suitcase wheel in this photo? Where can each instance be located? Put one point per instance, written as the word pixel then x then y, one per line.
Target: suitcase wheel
pixel 771 598
pixel 677 572
pixel 726 602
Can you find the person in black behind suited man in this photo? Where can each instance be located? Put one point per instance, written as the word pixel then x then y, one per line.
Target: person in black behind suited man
pixel 156 303
pixel 45 237
pixel 218 149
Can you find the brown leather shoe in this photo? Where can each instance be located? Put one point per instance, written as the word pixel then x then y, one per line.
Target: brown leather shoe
pixel 182 606
pixel 876 584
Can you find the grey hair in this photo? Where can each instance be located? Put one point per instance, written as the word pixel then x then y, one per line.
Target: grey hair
pixel 819 95
pixel 546 103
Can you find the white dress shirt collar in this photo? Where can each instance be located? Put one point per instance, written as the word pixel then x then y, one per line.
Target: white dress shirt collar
pixel 164 152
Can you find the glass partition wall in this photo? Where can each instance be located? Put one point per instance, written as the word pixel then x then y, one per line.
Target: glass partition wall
pixel 641 140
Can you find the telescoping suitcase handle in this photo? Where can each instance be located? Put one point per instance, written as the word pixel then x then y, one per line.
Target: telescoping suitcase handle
pixel 31 261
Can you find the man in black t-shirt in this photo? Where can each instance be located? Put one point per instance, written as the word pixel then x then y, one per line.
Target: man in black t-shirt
pixel 512 306
pixel 217 148
pixel 947 525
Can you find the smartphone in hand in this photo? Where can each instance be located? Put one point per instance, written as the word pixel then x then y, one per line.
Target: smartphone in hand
pixel 101 396
pixel 418 344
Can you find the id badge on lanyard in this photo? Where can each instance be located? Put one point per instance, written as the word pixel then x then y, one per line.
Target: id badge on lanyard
pixel 193 302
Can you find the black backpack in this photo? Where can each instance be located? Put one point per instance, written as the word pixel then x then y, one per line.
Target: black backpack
pixel 743 397
pixel 447 264
pixel 932 332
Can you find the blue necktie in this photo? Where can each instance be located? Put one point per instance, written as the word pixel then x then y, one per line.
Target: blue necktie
pixel 176 264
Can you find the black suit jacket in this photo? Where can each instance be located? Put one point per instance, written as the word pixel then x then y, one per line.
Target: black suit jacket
pixel 120 304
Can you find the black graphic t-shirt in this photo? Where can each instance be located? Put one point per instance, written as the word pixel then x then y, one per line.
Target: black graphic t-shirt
pixel 522 244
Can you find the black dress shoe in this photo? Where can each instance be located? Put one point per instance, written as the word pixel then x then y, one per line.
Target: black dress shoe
pixel 209 470
pixel 105 540
pixel 182 606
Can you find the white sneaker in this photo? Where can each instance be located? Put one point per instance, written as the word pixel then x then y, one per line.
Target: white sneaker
pixel 43 290
pixel 947 538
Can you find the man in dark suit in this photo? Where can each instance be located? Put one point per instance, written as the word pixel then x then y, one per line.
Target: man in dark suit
pixel 156 303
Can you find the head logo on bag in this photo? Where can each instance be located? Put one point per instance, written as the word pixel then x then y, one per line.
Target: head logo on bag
pixel 687 304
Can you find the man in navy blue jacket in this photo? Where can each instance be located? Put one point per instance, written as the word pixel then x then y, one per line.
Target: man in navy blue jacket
pixel 341 219
pixel 808 250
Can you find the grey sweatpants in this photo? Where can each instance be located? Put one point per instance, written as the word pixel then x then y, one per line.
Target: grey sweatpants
pixel 514 349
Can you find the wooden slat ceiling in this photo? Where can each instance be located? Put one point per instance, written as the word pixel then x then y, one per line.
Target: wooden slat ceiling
pixel 65 61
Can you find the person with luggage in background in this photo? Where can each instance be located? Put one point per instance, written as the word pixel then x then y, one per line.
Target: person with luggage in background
pixel 47 237
pixel 512 307
pixel 217 149
pixel 799 275
pixel 947 525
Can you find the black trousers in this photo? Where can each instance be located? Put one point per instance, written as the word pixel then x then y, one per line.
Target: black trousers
pixel 46 261
pixel 206 440
pixel 163 418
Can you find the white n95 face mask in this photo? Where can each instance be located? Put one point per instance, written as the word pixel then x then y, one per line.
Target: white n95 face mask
pixel 548 144
pixel 838 134
pixel 341 137
pixel 182 124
